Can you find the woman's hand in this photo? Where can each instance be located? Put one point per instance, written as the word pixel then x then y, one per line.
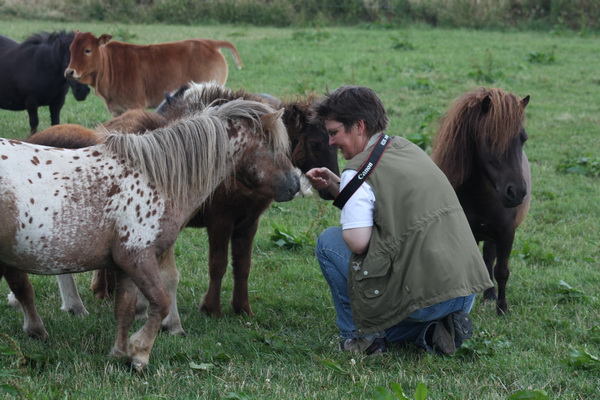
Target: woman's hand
pixel 324 179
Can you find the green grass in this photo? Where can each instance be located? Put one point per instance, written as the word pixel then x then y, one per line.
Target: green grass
pixel 288 349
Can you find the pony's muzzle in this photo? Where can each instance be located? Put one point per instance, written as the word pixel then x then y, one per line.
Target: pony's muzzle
pixel 288 187
pixel 513 196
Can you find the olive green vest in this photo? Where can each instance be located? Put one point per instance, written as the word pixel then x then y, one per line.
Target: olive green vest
pixel 421 252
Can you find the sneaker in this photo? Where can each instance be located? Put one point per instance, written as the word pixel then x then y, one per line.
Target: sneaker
pixel 451 331
pixel 375 346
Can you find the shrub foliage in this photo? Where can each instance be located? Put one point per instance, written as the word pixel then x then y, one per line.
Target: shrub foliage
pixel 579 15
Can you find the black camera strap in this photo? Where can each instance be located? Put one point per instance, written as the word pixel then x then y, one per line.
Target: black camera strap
pixel 363 172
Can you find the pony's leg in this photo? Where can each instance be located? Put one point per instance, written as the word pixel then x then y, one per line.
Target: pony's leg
pixel 124 313
pixel 141 306
pixel 170 277
pixel 489 257
pixel 142 269
pixel 13 302
pixel 241 253
pixel 103 284
pixel 219 236
pixel 501 271
pixel 71 302
pixel 55 112
pixel 19 284
pixel 32 111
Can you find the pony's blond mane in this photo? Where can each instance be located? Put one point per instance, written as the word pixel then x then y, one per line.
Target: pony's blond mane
pixel 466 127
pixel 193 155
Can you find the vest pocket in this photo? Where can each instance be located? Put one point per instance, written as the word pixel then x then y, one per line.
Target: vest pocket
pixel 371 280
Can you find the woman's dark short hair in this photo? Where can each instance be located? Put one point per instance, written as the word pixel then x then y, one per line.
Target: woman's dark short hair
pixel 349 104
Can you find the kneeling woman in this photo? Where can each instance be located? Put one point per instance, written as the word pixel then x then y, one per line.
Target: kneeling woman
pixel 404 266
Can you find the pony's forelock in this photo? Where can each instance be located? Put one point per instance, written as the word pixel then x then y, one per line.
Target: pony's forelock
pixel 467 126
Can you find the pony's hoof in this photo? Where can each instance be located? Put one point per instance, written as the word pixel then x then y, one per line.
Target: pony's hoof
pixel 490 295
pixel 77 311
pixel 211 311
pixel 174 330
pixel 38 334
pixel 117 353
pixel 137 366
pixel 502 308
pixel 242 308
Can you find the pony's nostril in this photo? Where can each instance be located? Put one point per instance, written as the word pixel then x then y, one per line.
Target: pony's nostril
pixel 510 192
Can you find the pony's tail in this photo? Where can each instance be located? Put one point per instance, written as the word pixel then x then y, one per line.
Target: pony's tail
pixel 229 46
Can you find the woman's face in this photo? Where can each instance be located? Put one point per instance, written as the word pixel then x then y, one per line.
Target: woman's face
pixel 350 142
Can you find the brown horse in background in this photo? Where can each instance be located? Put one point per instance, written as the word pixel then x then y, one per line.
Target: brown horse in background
pixel 480 149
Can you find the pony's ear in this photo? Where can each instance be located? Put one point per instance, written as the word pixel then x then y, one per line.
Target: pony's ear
pixel 268 120
pixel 525 101
pixel 169 98
pixel 486 104
pixel 293 117
pixel 104 38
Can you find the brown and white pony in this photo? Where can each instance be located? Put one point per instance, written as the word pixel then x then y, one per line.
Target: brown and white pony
pixel 479 147
pixel 125 201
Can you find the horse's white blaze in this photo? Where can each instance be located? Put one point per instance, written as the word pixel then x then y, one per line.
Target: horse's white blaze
pixel 67 199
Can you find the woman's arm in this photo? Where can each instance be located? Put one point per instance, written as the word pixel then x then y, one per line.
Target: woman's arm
pixel 357 239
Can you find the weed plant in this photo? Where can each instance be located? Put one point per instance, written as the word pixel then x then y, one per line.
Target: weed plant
pixel 546 346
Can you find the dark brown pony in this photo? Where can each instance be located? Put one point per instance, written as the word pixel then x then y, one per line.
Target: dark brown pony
pixel 233 215
pixel 480 149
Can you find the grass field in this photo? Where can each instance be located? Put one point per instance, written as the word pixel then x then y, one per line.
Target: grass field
pixel 544 348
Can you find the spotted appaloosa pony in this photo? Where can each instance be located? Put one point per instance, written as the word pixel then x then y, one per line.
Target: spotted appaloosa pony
pixel 232 215
pixel 480 149
pixel 126 201
pixel 73 136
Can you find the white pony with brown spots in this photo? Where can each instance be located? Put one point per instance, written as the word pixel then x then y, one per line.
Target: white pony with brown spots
pixel 125 202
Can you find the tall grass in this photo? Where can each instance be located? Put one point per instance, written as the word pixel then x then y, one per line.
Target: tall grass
pixel 288 349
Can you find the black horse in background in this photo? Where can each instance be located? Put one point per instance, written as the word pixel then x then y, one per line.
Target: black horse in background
pixel 32 75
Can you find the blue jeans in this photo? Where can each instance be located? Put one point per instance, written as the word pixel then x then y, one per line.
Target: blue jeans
pixel 334 257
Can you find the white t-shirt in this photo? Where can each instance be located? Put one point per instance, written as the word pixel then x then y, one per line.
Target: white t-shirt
pixel 358 212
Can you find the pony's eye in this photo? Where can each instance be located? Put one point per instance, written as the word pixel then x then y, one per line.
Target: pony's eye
pixel 87 51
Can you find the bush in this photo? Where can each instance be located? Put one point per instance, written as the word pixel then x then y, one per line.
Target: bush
pixel 579 15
